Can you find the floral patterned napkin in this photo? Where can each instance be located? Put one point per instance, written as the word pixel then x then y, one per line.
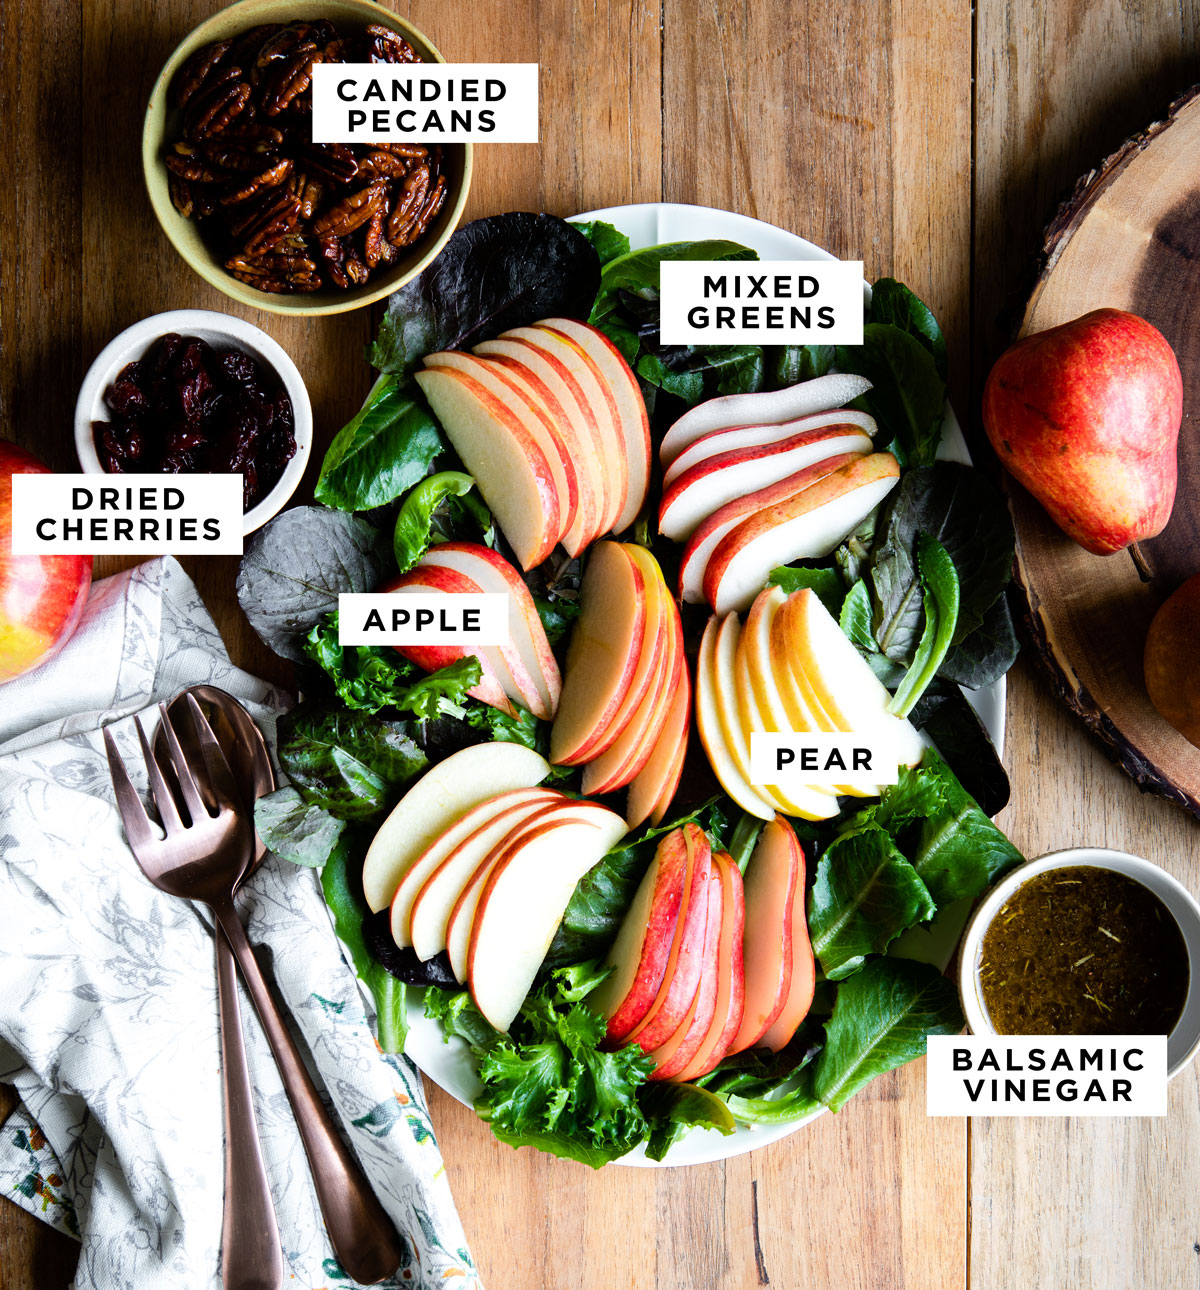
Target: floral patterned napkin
pixel 108 1020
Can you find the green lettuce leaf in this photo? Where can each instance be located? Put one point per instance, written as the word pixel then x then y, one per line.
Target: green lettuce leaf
pixel 440 508
pixel 672 1109
pixel 939 583
pixel 295 830
pixel 893 302
pixel 388 447
pixel 791 364
pixel 609 242
pixel 827 583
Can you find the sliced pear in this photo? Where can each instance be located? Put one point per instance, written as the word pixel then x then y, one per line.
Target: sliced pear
pixel 651 791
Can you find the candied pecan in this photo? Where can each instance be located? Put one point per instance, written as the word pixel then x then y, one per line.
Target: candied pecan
pixel 239 156
pixel 278 219
pixel 181 195
pixel 425 216
pixel 414 151
pixel 335 51
pixel 373 241
pixel 351 212
pixel 268 178
pixel 249 43
pixel 384 46
pixel 191 168
pixel 215 108
pixel 309 191
pixel 382 165
pixel 197 70
pixel 245 130
pixel 333 160
pixel 408 203
pixel 291 81
pixel 333 252
pixel 285 42
pixel 295 272
pixel 356 271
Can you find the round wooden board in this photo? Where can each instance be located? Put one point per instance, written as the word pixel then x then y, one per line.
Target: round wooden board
pixel 1129 237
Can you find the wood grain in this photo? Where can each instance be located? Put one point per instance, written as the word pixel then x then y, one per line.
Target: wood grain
pixel 1062 1202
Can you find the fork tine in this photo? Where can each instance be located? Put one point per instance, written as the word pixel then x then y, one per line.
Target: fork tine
pixel 223 786
pixel 183 772
pixel 138 829
pixel 168 812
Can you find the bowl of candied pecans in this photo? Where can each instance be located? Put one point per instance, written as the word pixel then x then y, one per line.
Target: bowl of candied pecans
pixel 251 203
pixel 192 391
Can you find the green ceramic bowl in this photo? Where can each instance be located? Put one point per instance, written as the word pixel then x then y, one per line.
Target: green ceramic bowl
pixel 162 125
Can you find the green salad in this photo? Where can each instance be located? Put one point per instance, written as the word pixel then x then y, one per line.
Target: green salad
pixel 919 588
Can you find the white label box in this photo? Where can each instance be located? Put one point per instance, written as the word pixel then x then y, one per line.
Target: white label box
pixel 469 619
pixel 761 302
pixel 1042 1075
pixel 863 760
pixel 425 103
pixel 127 514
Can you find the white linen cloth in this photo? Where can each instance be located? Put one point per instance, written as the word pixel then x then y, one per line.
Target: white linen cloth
pixel 108 1018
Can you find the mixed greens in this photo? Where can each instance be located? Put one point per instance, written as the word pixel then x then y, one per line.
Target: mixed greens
pixel 919 589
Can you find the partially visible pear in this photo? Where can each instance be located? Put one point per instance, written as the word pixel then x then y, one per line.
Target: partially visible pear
pixel 1172 678
pixel 1087 416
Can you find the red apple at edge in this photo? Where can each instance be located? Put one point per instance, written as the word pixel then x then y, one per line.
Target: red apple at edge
pixel 41 596
pixel 1087 416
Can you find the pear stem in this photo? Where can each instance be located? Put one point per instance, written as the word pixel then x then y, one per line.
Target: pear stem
pixel 1145 572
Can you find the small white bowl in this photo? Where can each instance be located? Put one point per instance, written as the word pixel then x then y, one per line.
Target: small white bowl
pixel 221 330
pixel 1184 1041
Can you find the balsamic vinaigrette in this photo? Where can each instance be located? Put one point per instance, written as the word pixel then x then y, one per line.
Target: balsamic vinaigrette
pixel 1083 951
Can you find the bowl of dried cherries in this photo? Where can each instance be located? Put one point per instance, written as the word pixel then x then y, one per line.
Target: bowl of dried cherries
pixel 192 391
pixel 257 208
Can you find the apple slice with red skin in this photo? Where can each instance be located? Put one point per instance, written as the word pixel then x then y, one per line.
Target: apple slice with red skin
pixel 839 677
pixel 504 662
pixel 712 731
pixel 685 960
pixel 707 537
pixel 631 407
pixel 605 649
pixel 504 811
pixel 522 904
pixel 674 1054
pixel 654 786
pixel 807 525
pixel 506 460
pixel 731 985
pixel 648 671
pixel 629 753
pixel 433 904
pixel 462 916
pixel 804 970
pixel 603 401
pixel 822 394
pixel 430 806
pixel 643 942
pixel 718 480
pixel 494 574
pixel 736 437
pixel 774 882
pixel 532 411
pixel 557 375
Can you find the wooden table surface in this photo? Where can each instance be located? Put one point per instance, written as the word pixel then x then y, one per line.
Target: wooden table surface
pixel 927 138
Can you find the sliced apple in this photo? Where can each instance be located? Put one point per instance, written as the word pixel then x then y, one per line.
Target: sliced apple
pixel 737 437
pixel 712 732
pixel 592 445
pixel 506 459
pixel 774 882
pixel 731 989
pixel 840 678
pixel 496 817
pixel 822 394
pixel 684 962
pixel 631 408
pixel 603 402
pixel 674 1054
pixel 443 794
pixel 804 972
pixel 738 710
pixel 605 649
pixel 721 479
pixel 552 433
pixel 639 954
pixel 503 661
pixel 466 906
pixel 708 534
pixel 807 525
pixel 522 904
pixel 493 573
pixel 652 665
pixel 427 892
pixel 651 791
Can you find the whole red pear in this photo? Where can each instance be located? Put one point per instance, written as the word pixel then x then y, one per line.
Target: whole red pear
pixel 41 596
pixel 1087 416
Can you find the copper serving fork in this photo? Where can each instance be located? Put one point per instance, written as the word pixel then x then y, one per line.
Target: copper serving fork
pixel 203 860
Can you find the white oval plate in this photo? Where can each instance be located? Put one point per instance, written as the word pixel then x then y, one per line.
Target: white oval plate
pixel 450 1065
